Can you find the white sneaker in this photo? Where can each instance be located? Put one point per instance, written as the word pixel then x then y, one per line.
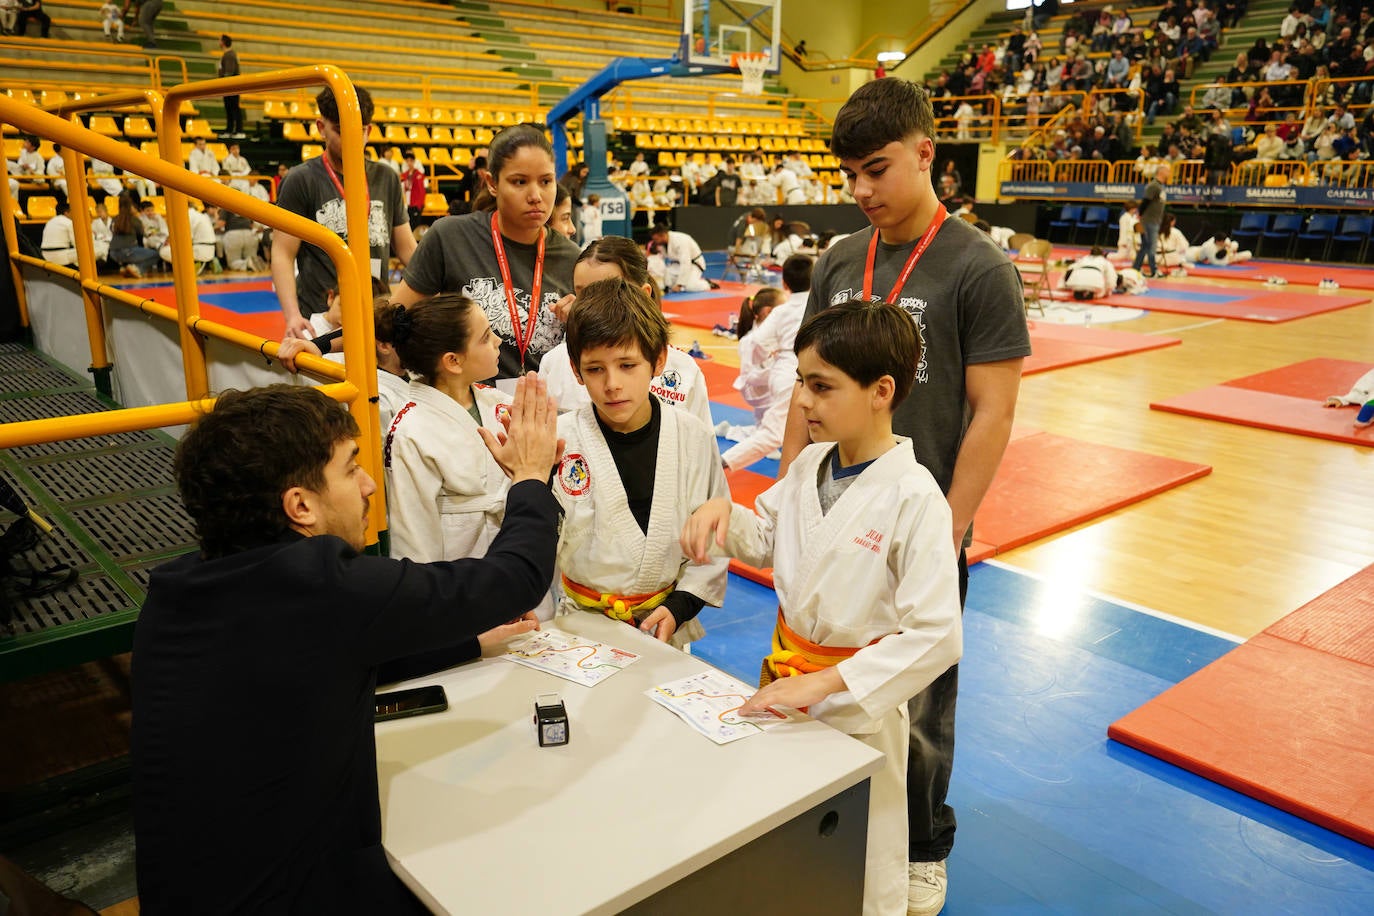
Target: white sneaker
pixel 926 886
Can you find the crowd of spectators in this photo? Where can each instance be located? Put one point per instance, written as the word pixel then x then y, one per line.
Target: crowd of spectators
pixel 1263 109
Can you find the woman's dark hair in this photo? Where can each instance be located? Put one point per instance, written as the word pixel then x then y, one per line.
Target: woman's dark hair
pixel 235 463
pixel 865 341
pixel 627 257
pixel 126 221
pixel 766 298
pixel 422 333
pixel 510 141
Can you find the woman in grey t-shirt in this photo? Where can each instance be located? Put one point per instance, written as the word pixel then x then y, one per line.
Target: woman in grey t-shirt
pixel 504 259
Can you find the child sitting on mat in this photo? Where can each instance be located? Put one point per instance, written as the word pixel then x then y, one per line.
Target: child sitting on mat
pixel 1362 394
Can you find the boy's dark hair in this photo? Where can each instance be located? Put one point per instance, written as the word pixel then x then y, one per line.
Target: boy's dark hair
pixel 329 106
pixel 62 208
pixel 865 341
pixel 236 462
pixel 796 273
pixel 227 41
pixel 422 333
pixel 660 229
pixel 878 113
pixel 510 141
pixel 615 313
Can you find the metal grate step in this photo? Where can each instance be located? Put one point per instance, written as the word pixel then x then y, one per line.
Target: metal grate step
pixel 86 476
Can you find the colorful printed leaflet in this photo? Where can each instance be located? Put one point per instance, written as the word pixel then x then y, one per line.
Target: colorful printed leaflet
pixel 707 702
pixel 570 657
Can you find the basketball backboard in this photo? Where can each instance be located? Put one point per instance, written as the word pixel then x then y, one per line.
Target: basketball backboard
pixel 713 31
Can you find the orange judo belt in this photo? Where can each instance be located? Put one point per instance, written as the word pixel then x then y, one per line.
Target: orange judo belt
pixel 792 654
pixel 616 607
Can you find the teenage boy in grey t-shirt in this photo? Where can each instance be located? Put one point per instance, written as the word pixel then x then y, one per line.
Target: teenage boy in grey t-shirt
pixel 965 297
pixel 310 190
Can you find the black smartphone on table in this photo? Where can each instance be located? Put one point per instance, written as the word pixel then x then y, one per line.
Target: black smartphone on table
pixel 417 701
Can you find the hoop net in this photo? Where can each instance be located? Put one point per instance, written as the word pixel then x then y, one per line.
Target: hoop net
pixel 751 69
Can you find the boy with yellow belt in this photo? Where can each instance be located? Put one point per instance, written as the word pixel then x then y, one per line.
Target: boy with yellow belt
pixel 857 534
pixel 631 474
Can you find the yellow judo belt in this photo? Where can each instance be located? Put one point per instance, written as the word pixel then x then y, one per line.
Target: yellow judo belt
pixel 617 607
pixel 793 654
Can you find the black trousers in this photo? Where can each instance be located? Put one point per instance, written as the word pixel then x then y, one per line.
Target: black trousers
pixel 233 115
pixel 931 822
pixel 22 23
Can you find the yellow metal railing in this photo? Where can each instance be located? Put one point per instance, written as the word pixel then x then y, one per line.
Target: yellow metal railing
pixel 351 261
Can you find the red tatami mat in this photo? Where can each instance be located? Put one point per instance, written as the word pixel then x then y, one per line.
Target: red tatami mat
pixel 1270 307
pixel 1054 346
pixel 1046 483
pixel 1287 718
pixel 720 383
pixel 1286 400
pixel 706 310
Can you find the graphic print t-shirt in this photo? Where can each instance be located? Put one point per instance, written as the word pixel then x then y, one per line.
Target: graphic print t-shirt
pixel 308 191
pixel 457 256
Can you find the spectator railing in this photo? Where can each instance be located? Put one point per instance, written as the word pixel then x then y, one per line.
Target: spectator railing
pixel 1326 93
pixel 1126 102
pixel 1099 170
pixel 1342 173
pixel 1269 172
pixel 355 384
pixel 986 122
pixel 1237 115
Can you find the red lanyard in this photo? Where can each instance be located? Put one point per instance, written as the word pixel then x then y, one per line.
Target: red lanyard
pixel 524 335
pixel 338 185
pixel 915 256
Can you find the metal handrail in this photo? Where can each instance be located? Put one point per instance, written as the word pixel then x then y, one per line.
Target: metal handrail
pixel 351 261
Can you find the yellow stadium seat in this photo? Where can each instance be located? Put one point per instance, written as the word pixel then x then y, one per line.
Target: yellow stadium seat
pixel 418 133
pixel 13 147
pixel 20 95
pixel 643 141
pixel 482 136
pixel 441 116
pixel 436 204
pixel 138 128
pixel 149 147
pixel 395 133
pixel 502 117
pixel 42 207
pixel 159 204
pixel 420 156
pixel 199 128
pixel 221 150
pixel 46 150
pixel 442 135
pixel 294 131
pixel 521 117
pixel 311 151
pixel 654 125
pixel 439 155
pixel 463 137
pixel 418 116
pixel 374 133
pixel 104 125
pixel 276 109
pixel 665 159
pixel 480 116
pixel 51 98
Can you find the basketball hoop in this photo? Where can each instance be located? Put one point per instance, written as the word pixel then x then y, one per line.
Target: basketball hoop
pixel 751 69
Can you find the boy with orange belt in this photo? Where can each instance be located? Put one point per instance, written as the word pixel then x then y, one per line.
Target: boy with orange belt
pixel 857 534
pixel 631 474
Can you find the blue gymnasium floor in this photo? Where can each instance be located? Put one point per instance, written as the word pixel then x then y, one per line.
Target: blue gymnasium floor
pixel 1054 817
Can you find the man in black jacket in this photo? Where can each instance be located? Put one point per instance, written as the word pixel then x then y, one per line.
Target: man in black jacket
pixel 256 659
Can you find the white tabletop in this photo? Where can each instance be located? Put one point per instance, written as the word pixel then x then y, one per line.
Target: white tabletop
pixel 477 818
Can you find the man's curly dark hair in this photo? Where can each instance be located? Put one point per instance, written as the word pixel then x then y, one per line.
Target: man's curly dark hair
pixel 235 463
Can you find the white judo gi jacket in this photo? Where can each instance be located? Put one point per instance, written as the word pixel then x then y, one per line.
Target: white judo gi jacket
pixel 601 546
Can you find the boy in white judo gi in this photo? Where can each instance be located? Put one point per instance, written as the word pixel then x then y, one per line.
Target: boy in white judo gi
pixel 857 534
pixel 632 473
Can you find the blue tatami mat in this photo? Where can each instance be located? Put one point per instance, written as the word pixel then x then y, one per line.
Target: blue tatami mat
pixel 1054 817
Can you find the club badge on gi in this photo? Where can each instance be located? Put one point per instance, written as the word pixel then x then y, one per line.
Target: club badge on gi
pixel 574 476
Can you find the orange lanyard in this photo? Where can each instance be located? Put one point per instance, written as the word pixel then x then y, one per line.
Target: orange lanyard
pixel 915 256
pixel 524 335
pixel 338 185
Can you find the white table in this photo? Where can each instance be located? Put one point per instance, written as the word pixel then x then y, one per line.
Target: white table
pixel 477 818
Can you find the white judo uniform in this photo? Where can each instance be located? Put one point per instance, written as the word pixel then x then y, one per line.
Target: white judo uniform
pixel 601 545
pixel 1091 274
pixel 680 263
pixel 878 566
pixel 445 492
pixel 680 385
pixel 767 375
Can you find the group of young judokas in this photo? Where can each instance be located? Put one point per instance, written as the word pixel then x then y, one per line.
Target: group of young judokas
pixel 431 448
